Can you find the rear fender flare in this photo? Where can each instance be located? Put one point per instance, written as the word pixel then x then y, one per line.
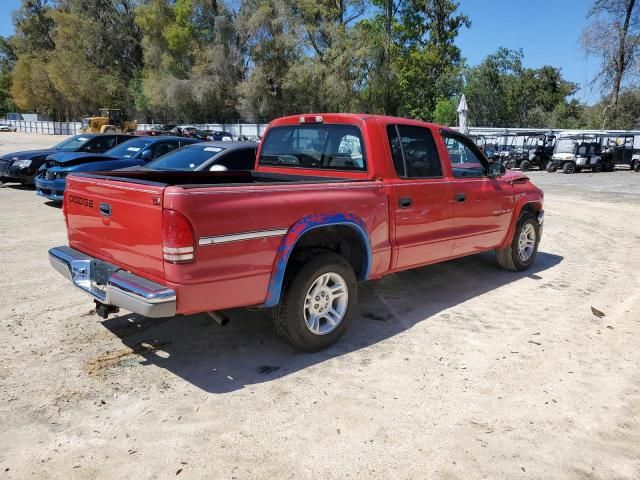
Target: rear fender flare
pixel 296 232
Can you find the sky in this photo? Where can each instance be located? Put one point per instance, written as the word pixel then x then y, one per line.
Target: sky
pixel 548 31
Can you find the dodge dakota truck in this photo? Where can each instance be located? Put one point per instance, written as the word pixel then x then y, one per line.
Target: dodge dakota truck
pixel 335 199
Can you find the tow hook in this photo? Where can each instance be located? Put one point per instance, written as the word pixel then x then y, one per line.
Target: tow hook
pixel 103 310
pixel 221 319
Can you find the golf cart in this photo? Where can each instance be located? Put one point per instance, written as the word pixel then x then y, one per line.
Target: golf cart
pixel 619 150
pixel 536 151
pixel 574 152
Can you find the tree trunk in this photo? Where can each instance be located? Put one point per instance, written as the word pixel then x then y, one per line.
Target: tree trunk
pixel 621 58
pixel 387 56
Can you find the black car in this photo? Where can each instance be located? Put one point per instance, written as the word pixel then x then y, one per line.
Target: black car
pixel 23 166
pixel 209 156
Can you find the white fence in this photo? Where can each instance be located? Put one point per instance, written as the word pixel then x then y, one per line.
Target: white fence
pixel 73 128
pixel 253 130
pixel 46 128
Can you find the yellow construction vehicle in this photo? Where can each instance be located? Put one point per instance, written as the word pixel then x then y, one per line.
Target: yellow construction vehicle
pixel 109 120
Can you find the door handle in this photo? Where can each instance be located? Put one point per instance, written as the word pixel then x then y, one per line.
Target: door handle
pixel 460 197
pixel 405 202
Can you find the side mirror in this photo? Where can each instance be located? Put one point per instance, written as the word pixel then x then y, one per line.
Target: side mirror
pixel 496 169
pixel 146 155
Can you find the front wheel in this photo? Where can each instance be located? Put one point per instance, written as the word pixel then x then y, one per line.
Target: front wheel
pixel 551 167
pixel 316 306
pixel 522 251
pixel 525 166
pixel 569 168
pixel 636 166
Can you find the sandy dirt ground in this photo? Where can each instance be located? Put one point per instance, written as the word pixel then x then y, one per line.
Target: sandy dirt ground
pixel 454 371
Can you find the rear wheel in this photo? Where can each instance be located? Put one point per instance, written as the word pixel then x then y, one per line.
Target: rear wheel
pixel 525 166
pixel 317 302
pixel 522 251
pixel 569 167
pixel 636 166
pixel 597 168
pixel 551 167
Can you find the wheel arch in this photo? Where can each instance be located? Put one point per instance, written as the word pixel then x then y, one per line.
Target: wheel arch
pixel 533 205
pixel 344 233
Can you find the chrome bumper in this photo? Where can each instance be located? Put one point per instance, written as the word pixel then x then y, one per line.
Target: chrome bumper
pixel 111 285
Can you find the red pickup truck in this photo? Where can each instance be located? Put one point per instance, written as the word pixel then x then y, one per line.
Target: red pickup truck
pixel 335 199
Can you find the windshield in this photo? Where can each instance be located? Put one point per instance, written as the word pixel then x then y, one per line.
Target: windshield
pixel 129 149
pixel 187 158
pixel 565 145
pixel 72 144
pixel 318 146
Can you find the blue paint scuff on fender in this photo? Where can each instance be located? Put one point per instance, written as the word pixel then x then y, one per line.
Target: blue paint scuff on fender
pixel 295 233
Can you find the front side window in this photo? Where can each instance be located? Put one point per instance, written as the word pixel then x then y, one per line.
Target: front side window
pixel 414 152
pixel 465 162
pixel 318 146
pixel 129 149
pixel 73 144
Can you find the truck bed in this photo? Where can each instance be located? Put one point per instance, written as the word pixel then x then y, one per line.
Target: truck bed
pixel 188 180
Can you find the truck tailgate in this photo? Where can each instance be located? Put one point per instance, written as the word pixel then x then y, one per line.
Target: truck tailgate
pixel 118 222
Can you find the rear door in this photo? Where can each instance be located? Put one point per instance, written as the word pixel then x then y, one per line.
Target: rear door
pixel 116 220
pixel 421 198
pixel 482 205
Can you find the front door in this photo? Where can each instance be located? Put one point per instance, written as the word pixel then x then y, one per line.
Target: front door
pixel 421 205
pixel 483 206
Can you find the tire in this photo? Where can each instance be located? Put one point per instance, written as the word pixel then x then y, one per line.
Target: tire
pixel 510 257
pixel 597 168
pixel 551 167
pixel 525 166
pixel 569 168
pixel 543 165
pixel 291 315
pixel 637 166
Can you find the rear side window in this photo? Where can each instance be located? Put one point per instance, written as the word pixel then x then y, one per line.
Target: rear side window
pixel 414 152
pixel 320 146
pixel 241 159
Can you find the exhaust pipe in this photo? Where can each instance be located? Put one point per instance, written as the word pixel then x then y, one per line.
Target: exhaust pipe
pixel 221 319
pixel 103 310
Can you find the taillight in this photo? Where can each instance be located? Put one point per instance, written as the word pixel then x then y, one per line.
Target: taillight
pixel 178 245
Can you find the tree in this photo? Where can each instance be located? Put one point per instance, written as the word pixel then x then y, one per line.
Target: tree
pixel 502 92
pixel 192 60
pixel 613 36
pixel 7 64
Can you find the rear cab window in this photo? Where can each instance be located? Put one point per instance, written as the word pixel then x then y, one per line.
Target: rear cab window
pixel 314 146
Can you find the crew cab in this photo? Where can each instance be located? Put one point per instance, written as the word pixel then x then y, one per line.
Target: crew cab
pixel 335 199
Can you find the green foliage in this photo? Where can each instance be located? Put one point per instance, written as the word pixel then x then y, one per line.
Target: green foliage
pixel 446 112
pixel 221 60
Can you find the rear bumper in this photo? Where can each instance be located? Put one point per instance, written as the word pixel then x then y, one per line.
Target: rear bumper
pixel 51 189
pixel 110 285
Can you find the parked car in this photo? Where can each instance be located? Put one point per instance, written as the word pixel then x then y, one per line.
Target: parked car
pixel 50 182
pixel 5 127
pixel 335 199
pixel 575 152
pixel 23 166
pixel 212 156
pixel 156 130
